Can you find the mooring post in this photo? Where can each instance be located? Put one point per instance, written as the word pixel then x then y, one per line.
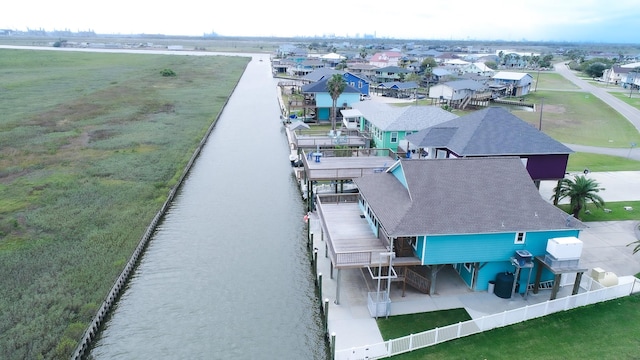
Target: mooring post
pixel 326 316
pixel 315 260
pixel 320 289
pixel 333 346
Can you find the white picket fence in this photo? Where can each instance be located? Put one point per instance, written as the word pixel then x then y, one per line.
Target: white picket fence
pixel 595 293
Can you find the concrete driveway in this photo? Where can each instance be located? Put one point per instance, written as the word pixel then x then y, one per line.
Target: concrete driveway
pixel 605 243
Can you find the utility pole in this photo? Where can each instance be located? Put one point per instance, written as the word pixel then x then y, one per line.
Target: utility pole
pixel 541 106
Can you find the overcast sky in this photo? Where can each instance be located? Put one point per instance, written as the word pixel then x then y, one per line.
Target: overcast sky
pixel 611 21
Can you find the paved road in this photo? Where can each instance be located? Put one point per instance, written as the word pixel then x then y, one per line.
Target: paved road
pixel 630 152
pixel 629 112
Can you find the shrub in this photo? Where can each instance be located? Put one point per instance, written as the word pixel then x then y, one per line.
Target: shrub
pixel 167 72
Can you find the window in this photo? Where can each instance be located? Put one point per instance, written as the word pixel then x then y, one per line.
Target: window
pixel 519 238
pixel 394 137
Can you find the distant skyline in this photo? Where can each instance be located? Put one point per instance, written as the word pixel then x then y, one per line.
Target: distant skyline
pixel 595 21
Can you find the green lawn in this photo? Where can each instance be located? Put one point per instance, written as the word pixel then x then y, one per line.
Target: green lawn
pixel 632 99
pixel 579 118
pixel 551 81
pixel 402 325
pixel 617 213
pixel 595 162
pixel 606 330
pixel 90 146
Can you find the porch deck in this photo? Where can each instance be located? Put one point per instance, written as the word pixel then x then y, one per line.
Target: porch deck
pixel 311 139
pixel 350 241
pixel 346 164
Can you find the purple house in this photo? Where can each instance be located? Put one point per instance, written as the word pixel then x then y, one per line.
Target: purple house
pixel 492 132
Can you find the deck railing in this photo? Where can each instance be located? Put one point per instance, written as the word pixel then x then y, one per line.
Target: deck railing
pixel 439 335
pixel 339 171
pixel 344 259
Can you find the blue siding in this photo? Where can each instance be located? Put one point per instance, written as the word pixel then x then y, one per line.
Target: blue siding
pixel 420 246
pixel 492 251
pixel 323 100
pixel 452 249
pixel 361 84
pixel 323 113
pixel 374 227
pixel 491 270
pixel 467 276
pixel 399 174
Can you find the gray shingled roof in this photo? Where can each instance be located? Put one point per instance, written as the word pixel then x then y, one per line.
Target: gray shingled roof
pixel 460 196
pixel 490 132
pixel 399 85
pixel 392 69
pixel 440 72
pixel 467 84
pixel 321 73
pixel 321 87
pixel 406 118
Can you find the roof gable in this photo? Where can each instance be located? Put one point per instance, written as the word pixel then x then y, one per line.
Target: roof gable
pixel 385 56
pixel 508 75
pixel 321 87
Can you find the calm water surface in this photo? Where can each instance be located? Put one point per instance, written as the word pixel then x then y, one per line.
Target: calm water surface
pixel 226 276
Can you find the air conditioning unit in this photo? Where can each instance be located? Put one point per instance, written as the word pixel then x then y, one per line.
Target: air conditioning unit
pixel 565 248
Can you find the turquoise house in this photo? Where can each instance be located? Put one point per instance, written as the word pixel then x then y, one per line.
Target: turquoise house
pixel 388 125
pixel 474 214
pixel 319 91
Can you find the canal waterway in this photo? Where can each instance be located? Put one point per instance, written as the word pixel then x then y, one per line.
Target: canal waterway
pixel 226 275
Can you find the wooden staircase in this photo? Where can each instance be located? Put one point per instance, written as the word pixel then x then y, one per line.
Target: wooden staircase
pixel 409 276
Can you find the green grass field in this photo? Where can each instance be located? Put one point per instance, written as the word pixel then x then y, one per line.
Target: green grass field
pixel 90 145
pixel 551 81
pixel 579 118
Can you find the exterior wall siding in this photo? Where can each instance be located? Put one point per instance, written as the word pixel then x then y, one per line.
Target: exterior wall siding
pixel 493 251
pixel 324 99
pixel 491 247
pixel 547 167
pixel 491 270
pixel 357 83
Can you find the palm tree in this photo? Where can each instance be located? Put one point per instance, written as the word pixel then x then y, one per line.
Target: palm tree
pixel 363 53
pixel 580 190
pixel 637 244
pixel 335 86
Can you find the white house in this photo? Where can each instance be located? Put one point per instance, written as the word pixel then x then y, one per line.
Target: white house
pixel 512 83
pixel 478 68
pixel 455 90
